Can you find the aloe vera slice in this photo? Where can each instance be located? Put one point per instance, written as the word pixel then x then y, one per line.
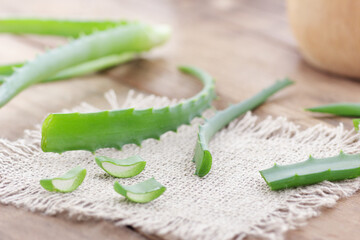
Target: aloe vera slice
pixel 142 192
pixel 65 183
pixel 121 168
pixel 311 171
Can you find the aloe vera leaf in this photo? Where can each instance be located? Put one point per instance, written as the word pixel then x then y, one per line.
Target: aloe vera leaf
pixel 356 123
pixel 121 168
pixel 339 109
pixel 113 129
pixel 143 192
pixel 57 27
pixel 7 70
pixel 129 38
pixel 84 68
pixel 65 183
pixel 311 171
pixel 202 156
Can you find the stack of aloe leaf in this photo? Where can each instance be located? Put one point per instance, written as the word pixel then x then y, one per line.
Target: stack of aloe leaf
pixel 98 45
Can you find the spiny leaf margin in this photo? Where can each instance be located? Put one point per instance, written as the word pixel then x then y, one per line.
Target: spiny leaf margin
pixel 113 129
pixel 312 171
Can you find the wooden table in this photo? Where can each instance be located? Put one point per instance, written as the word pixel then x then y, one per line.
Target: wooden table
pixel 245 44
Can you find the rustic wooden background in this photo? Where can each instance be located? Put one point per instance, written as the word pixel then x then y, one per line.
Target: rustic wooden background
pixel 245 44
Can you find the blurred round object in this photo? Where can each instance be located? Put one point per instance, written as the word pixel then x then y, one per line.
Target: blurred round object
pixel 328 33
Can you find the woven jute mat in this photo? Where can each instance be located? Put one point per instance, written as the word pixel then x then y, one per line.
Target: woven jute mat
pixel 232 201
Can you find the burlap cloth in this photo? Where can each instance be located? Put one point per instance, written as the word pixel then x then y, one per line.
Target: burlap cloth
pixel 233 201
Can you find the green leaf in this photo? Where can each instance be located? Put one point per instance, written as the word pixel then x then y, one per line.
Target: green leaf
pixel 79 70
pixel 56 27
pixel 202 156
pixel 142 192
pixel 65 183
pixel 356 123
pixel 121 168
pixel 311 171
pixel 113 129
pixel 130 38
pixel 339 109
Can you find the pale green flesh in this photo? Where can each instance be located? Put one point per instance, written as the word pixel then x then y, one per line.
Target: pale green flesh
pixel 142 192
pixel 121 168
pixel 91 131
pixel 143 198
pixel 202 156
pixel 312 171
pixel 128 38
pixel 65 183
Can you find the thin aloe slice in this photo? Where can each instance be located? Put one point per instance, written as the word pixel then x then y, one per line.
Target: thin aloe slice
pixel 65 183
pixel 143 192
pixel 121 168
pixel 76 71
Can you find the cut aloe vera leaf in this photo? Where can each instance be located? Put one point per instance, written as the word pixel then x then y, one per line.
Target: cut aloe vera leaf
pixel 65 183
pixel 313 170
pixel 121 168
pixel 142 192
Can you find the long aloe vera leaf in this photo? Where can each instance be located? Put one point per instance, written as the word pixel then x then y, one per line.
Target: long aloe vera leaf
pixel 128 38
pixel 313 170
pixel 121 168
pixel 202 156
pixel 80 70
pixel 57 27
pixel 113 129
pixel 340 109
pixel 142 192
pixel 65 183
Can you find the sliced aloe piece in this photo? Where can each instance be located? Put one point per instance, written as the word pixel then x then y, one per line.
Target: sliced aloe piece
pixel 142 192
pixel 65 183
pixel 121 168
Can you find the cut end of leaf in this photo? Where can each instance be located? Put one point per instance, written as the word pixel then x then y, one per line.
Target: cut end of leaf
pixel 203 161
pixel 162 34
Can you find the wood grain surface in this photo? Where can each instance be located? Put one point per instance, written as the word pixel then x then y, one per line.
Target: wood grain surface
pixel 245 44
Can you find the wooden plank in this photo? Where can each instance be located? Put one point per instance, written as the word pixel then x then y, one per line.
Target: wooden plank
pixel 245 45
pixel 18 224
